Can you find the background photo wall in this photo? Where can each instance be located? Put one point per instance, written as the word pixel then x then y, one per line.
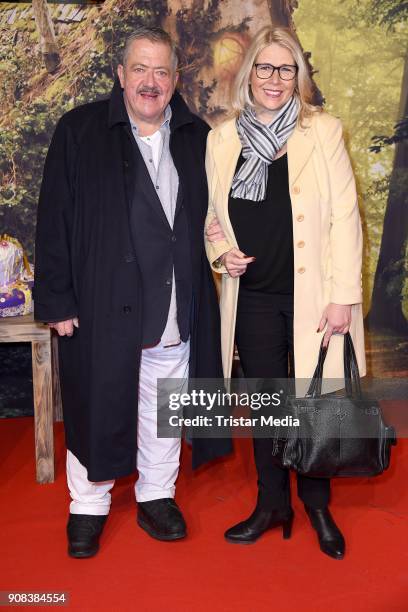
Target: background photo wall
pixel 54 56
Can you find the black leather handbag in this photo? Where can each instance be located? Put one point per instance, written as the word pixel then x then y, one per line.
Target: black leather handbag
pixel 336 436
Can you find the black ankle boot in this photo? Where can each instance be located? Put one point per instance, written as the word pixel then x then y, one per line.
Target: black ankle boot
pixel 330 537
pixel 260 521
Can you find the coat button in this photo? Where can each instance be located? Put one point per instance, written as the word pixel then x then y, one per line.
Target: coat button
pixel 173 238
pixel 300 218
pixel 296 189
pixel 168 281
pixel 126 163
pixel 129 258
pixel 301 270
pixel 301 244
pixel 127 309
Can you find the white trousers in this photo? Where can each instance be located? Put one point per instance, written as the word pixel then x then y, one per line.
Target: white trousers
pixel 157 459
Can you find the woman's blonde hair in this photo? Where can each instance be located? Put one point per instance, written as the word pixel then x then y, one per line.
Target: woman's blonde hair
pixel 241 95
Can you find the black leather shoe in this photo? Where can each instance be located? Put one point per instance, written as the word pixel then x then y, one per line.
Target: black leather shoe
pixel 260 521
pixel 84 531
pixel 330 537
pixel 161 519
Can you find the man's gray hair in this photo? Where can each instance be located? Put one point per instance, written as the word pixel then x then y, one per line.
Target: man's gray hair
pixel 154 35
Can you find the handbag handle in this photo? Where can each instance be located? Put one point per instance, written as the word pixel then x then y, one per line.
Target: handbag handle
pixel 351 372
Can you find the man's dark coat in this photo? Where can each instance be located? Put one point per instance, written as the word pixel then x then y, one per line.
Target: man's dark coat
pixel 86 267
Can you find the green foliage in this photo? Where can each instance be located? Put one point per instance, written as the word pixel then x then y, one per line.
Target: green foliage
pixel 400 134
pixel 23 146
pixel 388 12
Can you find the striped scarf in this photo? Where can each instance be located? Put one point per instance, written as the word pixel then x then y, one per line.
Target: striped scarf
pixel 260 144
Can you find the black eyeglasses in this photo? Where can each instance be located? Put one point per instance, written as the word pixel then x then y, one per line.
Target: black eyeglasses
pixel 286 72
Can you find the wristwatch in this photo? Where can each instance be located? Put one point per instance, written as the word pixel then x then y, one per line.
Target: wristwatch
pixel 218 262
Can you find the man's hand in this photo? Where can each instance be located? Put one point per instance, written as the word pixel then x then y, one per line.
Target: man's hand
pixel 214 231
pixel 338 319
pixel 65 328
pixel 236 262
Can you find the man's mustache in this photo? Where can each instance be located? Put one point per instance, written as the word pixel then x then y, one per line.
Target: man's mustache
pixel 149 90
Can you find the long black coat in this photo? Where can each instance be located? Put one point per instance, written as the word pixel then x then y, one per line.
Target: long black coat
pixel 86 267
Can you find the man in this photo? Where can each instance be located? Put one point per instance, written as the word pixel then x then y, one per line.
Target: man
pixel 121 274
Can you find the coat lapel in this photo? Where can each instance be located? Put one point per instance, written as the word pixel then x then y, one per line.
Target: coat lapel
pixel 226 153
pixel 227 150
pixel 179 162
pixel 145 185
pixel 300 147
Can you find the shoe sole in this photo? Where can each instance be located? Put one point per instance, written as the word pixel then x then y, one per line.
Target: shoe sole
pixel 234 541
pixel 157 536
pixel 81 554
pixel 244 542
pixel 335 557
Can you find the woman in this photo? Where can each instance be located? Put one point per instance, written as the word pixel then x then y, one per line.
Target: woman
pixel 283 229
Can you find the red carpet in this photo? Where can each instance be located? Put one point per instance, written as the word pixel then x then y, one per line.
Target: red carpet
pixel 203 572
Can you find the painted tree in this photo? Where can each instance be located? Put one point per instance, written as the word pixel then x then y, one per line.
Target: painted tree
pixel 213 36
pixel 386 306
pixel 48 41
pixel 281 12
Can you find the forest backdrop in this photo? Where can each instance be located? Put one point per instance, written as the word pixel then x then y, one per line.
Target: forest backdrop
pixel 58 55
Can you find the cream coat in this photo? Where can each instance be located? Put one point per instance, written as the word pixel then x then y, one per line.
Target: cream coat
pixel 327 239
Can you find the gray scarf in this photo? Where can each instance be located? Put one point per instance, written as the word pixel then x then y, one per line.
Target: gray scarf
pixel 260 144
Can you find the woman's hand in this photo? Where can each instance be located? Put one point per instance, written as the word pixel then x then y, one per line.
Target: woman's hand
pixel 338 319
pixel 214 231
pixel 236 262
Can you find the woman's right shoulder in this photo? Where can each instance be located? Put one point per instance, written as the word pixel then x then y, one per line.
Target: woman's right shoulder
pixel 325 124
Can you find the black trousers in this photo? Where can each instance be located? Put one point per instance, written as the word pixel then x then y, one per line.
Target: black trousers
pixel 264 338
